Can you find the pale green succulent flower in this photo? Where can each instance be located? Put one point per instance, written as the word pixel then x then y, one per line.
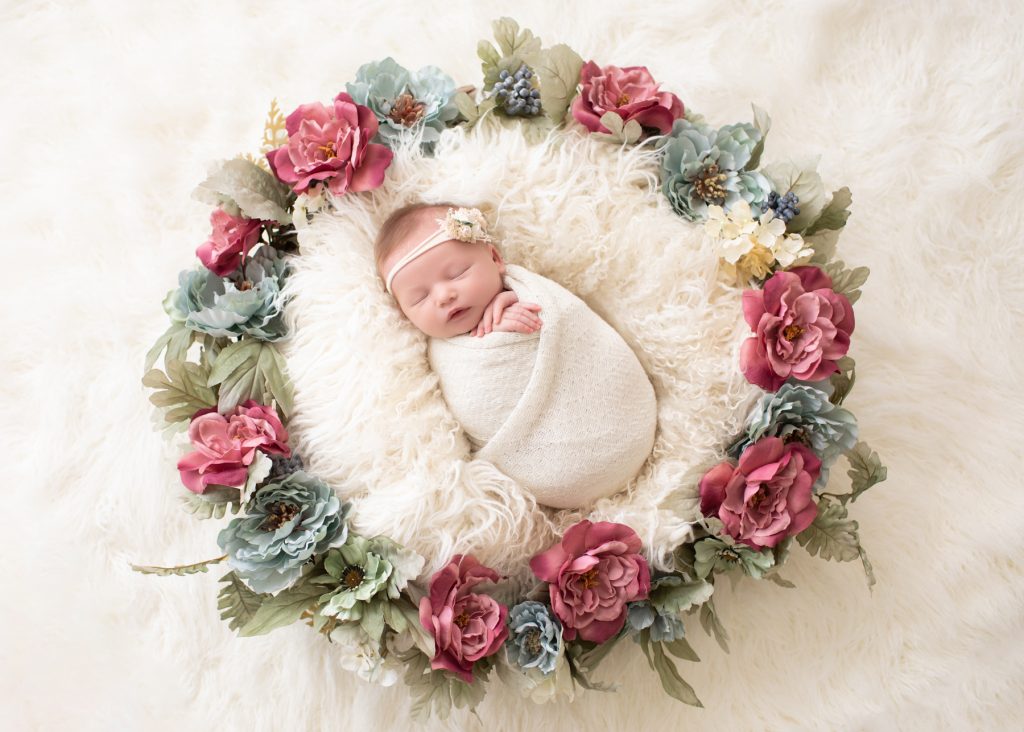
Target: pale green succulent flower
pixel 402 100
pixel 702 166
pixel 365 570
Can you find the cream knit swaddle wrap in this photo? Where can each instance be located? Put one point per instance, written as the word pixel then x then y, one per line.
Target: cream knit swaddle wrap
pixel 567 412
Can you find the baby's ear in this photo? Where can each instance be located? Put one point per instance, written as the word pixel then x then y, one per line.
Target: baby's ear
pixel 496 258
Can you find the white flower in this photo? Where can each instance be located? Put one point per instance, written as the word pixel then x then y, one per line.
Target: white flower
pixel 789 249
pixel 748 246
pixel 465 224
pixel 360 654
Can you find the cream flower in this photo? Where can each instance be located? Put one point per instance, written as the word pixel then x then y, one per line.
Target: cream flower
pixel 749 247
pixel 465 224
pixel 790 249
pixel 362 655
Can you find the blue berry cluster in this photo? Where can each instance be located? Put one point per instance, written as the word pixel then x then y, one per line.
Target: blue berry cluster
pixel 784 207
pixel 516 94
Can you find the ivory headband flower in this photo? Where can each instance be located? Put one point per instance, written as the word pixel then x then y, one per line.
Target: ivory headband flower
pixel 464 224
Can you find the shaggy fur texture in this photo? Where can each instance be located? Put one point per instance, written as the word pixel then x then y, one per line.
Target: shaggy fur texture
pixel 115 109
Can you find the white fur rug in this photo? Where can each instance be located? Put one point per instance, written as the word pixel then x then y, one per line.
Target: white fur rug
pixel 115 109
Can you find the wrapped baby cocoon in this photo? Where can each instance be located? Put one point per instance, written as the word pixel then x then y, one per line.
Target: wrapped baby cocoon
pixel 567 412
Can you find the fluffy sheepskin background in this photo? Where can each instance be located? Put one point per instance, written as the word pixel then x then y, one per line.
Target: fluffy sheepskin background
pixel 113 111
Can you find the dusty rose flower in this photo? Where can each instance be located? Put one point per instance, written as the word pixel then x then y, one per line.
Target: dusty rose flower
pixel 230 241
pixel 630 92
pixel 593 572
pixel 801 328
pixel 226 446
pixel 333 145
pixel 466 626
pixel 767 497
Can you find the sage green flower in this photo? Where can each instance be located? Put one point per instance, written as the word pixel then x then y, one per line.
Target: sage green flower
pixel 286 523
pixel 254 306
pixel 364 570
pixel 703 166
pixel 715 555
pixel 401 100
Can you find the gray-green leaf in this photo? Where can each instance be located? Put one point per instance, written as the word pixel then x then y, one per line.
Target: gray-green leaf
pixel 763 123
pixel 831 535
pixel 712 625
pixel 205 508
pixel 866 470
pixel 671 681
pixel 674 595
pixel 179 570
pixel 251 369
pixel 176 339
pixel 181 391
pixel 834 215
pixel 846 281
pixel 236 602
pixel 559 73
pixel 282 609
pixel 805 183
pixel 843 380
pixel 243 188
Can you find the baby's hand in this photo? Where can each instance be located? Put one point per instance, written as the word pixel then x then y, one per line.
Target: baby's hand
pixel 506 313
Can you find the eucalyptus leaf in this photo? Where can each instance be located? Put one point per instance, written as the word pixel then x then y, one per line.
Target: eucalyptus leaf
pixel 833 217
pixel 866 470
pixel 559 73
pixel 282 609
pixel 680 648
pixel 832 535
pixel 182 391
pixel 712 625
pixel 241 186
pixel 179 570
pixel 236 602
pixel 774 577
pixel 671 681
pixel 763 123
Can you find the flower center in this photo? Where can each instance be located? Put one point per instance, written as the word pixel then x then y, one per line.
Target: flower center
pixel 708 184
pixel 462 619
pixel 798 435
pixel 244 285
pixel 532 641
pixel 328 150
pixel 590 578
pixel 352 576
pixel 622 100
pixel 758 498
pixel 730 556
pixel 792 331
pixel 279 514
pixel 406 110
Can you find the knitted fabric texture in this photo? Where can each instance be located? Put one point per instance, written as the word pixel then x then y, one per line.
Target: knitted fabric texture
pixel 568 411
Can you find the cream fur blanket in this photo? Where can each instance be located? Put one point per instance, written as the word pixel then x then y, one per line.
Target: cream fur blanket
pixel 114 111
pixel 567 412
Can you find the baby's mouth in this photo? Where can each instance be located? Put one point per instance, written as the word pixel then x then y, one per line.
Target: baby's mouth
pixel 457 313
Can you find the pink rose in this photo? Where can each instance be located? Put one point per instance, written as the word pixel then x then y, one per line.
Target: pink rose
pixel 226 446
pixel 466 626
pixel 630 92
pixel 802 328
pixel 767 497
pixel 331 144
pixel 229 243
pixel 593 572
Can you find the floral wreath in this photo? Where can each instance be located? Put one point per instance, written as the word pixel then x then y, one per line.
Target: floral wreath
pixel 291 554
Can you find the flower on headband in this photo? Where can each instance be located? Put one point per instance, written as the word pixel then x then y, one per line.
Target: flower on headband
pixel 465 224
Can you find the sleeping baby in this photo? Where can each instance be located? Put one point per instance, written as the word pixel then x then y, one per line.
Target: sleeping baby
pixel 545 390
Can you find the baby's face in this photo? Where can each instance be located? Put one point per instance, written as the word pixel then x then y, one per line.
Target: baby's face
pixel 444 291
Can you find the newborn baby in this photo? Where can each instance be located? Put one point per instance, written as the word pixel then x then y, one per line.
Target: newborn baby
pixel 562 406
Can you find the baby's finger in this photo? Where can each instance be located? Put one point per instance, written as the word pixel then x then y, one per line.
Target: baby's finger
pixel 486 322
pixel 520 318
pixel 531 305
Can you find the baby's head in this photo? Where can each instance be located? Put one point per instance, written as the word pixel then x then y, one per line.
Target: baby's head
pixel 443 290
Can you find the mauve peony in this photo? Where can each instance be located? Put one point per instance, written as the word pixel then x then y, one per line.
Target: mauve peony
pixel 765 498
pixel 592 573
pixel 465 626
pixel 630 92
pixel 332 145
pixel 802 328
pixel 226 446
pixel 230 241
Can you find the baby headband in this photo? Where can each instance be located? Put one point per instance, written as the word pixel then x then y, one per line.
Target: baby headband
pixel 464 224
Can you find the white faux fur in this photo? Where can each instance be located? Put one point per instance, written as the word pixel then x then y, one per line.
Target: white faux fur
pixel 114 111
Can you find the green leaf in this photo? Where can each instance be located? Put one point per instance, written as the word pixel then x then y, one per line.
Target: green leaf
pixel 467 107
pixel 674 595
pixel 237 603
pixel 372 621
pixel 209 507
pixel 258 470
pixel 866 470
pixel 180 570
pixel 176 339
pixel 511 40
pixel 774 577
pixel 516 47
pixel 869 571
pixel 680 648
pixel 834 215
pixel 805 183
pixel 846 281
pixel 824 244
pixel 763 123
pixel 251 369
pixel 843 380
pixel 712 625
pixel 671 681
pixel 243 188
pixel 180 392
pixel 282 609
pixel 831 535
pixel 559 73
